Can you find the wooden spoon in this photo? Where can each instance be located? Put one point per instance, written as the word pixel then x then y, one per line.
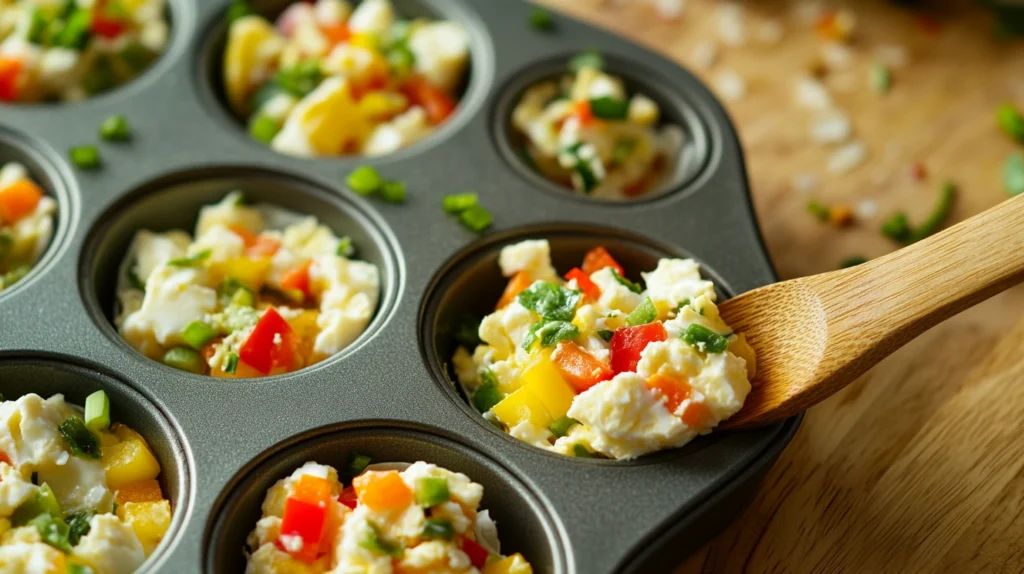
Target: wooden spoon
pixel 814 335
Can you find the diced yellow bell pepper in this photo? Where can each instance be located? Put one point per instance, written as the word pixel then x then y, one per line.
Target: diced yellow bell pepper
pixel 129 460
pixel 514 564
pixel 520 406
pixel 364 40
pixel 253 273
pixel 243 57
pixel 741 348
pixel 544 381
pixel 331 119
pixel 108 439
pixel 663 307
pixel 382 105
pixel 149 520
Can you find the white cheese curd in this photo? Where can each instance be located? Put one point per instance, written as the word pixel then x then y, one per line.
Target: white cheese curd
pixel 374 16
pixel 110 546
pixel 531 256
pixel 676 280
pixel 442 52
pixel 615 295
pixel 404 130
pixel 175 296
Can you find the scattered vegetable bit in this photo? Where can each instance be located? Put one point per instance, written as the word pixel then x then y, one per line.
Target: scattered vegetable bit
pixel 78 525
pixel 605 334
pixel 466 330
pixel 197 334
pixel 437 529
pixel 898 228
pixel 192 260
pixel 609 108
pixel 81 442
pixel 580 451
pixel 238 9
pixel 550 300
pixel 1013 175
pixel 393 191
pixel 185 359
pixel 476 218
pixel 364 180
pixel 487 394
pixel 263 128
pixel 880 78
pixel 588 59
pixel 540 19
pixel 818 210
pixel 373 542
pixel 634 287
pixel 116 129
pixel 550 333
pixel 560 427
pixel 432 491
pixel 345 247
pixel 231 364
pixel 459 202
pixel 644 313
pixel 97 411
pixel 356 464
pixel 85 157
pixel 840 215
pixel 53 531
pixel 852 261
pixel 705 339
pixel 1011 122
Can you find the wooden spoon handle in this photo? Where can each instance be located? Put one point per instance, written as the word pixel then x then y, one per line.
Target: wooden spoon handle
pixel 851 319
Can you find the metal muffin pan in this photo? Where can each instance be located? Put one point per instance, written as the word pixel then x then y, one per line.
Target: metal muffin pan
pixel 223 443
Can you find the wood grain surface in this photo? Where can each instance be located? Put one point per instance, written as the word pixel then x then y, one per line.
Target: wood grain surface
pixel 918 466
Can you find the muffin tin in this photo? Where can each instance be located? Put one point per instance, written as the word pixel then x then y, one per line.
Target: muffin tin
pixel 223 443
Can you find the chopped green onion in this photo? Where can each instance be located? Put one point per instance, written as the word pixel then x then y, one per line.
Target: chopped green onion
pixel 437 529
pixel 80 569
pixel 401 59
pixel 580 451
pixel 852 261
pixel 135 280
pixel 231 363
pixel 356 464
pixel 345 247
pixel 393 191
pixel 36 27
pixel 1013 175
pixel 373 542
pixel 75 33
pixel 704 339
pixel 197 334
pixel 818 210
pixel 263 128
pixel 53 531
pixel 300 79
pixel 467 331
pixel 644 313
pixel 238 9
pixel 185 359
pixel 476 218
pixel 44 502
pixel 432 491
pixel 116 129
pixel 487 394
pixel 560 427
pixel 605 334
pixel 80 441
pixel 97 411
pixel 880 78
pixel 364 180
pixel 634 287
pixel 192 260
pixel 588 59
pixel 459 202
pixel 78 525
pixel 609 108
pixel 540 19
pixel 1011 122
pixel 85 157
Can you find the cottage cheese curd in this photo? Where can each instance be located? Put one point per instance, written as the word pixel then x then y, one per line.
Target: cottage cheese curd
pixel 598 365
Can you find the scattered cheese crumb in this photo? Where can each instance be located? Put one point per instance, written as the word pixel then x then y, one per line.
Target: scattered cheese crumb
pixel 770 32
pixel 837 56
pixel 704 55
pixel 833 128
pixel 805 182
pixel 669 9
pixel 731 27
pixel 847 158
pixel 730 85
pixel 812 94
pixel 867 209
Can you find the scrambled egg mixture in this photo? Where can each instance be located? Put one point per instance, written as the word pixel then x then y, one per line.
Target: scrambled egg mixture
pixel 393 517
pixel 327 79
pixel 75 497
pixel 258 291
pixel 598 365
pixel 26 223
pixel 72 49
pixel 586 132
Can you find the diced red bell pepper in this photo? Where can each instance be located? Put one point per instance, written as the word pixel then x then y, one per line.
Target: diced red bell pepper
pixel 261 352
pixel 477 554
pixel 298 278
pixel 434 101
pixel 598 258
pixel 589 288
pixel 104 24
pixel 628 342
pixel 305 516
pixel 674 390
pixel 349 498
pixel 579 368
pixel 582 111
pixel 10 69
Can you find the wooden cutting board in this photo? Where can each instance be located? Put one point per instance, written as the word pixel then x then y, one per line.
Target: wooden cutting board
pixel 918 466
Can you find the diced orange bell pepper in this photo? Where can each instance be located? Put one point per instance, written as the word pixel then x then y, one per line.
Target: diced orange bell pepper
pixel 335 33
pixel 578 367
pixel 10 69
pixel 248 237
pixel 18 200
pixel 598 258
pixel 382 491
pixel 590 289
pixel 520 282
pixel 141 491
pixel 434 101
pixel 582 111
pixel 5 458
pixel 674 390
pixel 696 415
pixel 264 246
pixel 297 278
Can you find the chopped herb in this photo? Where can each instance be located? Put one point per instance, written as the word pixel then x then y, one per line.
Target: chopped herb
pixel 44 502
pixel 231 363
pixel 80 441
pixel 1011 122
pixel 622 150
pixel 476 218
pixel 644 313
pixel 345 247
pixel 53 530
pixel 634 287
pixel 609 108
pixel 185 359
pixel 393 191
pixel 78 525
pixel 97 411
pixel 605 334
pixel 880 78
pixel 467 331
pixel 818 210
pixel 116 129
pixel 36 27
pixel 487 394
pixel 852 261
pixel 300 79
pixel 540 19
pixel 192 260
pixel 364 180
pixel 356 464
pixel 113 510
pixel 197 334
pixel 1013 175
pixel 588 59
pixel 560 427
pixel 432 491
pixel 75 33
pixel 898 227
pixel 263 128
pixel 459 202
pixel 373 542
pixel 682 304
pixel 704 339
pixel 437 529
pixel 580 451
pixel 550 300
pixel 550 333
pixel 85 157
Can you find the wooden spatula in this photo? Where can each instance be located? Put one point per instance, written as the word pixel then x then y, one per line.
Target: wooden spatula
pixel 814 335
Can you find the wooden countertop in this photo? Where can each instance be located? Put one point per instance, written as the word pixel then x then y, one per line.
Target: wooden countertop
pixel 919 465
